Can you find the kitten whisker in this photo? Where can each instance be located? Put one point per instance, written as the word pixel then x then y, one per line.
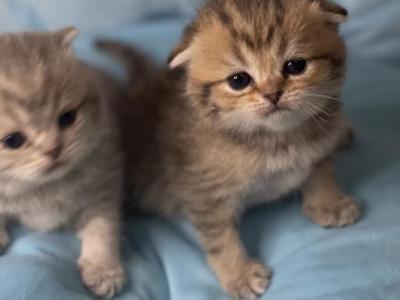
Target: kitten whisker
pixel 318 109
pixel 250 109
pixel 322 96
pixel 315 118
pixel 318 119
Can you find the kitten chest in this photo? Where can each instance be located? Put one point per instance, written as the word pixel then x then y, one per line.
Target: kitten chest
pixel 271 183
pixel 42 211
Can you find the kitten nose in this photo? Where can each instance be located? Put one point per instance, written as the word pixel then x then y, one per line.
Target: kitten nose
pixel 54 153
pixel 274 97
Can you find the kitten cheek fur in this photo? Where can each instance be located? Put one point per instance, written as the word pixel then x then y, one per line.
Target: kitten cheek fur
pixel 40 80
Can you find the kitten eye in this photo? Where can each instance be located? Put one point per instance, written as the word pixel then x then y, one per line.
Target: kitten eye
pixel 240 81
pixel 67 119
pixel 14 140
pixel 294 67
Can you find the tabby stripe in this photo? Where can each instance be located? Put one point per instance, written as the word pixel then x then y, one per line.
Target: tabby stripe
pixel 270 34
pixel 205 94
pixel 280 12
pixel 238 52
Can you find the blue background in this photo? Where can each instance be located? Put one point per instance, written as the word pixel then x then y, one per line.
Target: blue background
pixel 163 257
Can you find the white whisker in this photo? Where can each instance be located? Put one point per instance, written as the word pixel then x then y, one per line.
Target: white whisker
pixel 322 96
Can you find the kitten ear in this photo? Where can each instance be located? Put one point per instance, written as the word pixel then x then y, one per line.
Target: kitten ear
pixel 335 13
pixel 66 36
pixel 179 58
pixel 183 51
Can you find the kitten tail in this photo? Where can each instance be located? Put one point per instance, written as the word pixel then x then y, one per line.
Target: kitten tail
pixel 138 65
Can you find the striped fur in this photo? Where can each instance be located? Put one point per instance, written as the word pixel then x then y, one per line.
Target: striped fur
pixel 200 148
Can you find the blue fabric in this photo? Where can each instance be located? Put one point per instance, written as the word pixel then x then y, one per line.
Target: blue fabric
pixel 88 15
pixel 163 257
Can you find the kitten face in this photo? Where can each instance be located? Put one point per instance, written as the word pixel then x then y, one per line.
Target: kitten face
pixel 47 109
pixel 264 64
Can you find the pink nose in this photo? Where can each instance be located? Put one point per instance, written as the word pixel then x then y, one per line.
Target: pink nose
pixel 54 153
pixel 274 97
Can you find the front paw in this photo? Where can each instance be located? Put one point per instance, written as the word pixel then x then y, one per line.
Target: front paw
pixel 340 213
pixel 4 240
pixel 102 278
pixel 248 282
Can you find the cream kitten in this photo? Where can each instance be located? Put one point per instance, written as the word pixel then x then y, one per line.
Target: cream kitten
pixel 256 116
pixel 60 157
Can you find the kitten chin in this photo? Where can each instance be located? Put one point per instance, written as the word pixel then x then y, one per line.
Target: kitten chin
pixel 278 121
pixel 61 161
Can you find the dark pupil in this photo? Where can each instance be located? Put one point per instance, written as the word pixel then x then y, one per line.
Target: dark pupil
pixel 239 81
pixel 14 140
pixel 67 119
pixel 295 67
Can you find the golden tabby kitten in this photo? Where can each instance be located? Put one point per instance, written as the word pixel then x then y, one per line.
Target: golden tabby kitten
pixel 256 116
pixel 60 157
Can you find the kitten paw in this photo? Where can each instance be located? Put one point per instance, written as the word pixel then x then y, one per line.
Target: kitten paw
pixel 341 213
pixel 103 279
pixel 4 240
pixel 248 283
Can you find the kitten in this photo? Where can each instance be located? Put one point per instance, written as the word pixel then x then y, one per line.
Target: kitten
pixel 60 156
pixel 256 116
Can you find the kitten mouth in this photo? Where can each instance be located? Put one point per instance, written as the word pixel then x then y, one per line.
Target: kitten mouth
pixel 275 110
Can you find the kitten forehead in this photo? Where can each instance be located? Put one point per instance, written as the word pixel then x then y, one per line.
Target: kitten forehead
pixel 38 87
pixel 35 68
pixel 290 27
pixel 263 24
pixel 10 86
pixel 38 79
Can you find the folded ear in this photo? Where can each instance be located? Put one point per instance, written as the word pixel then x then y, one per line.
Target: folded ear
pixel 66 36
pixel 335 13
pixel 182 53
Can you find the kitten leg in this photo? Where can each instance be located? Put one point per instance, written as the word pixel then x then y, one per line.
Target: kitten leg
pixel 323 201
pixel 4 237
pixel 240 276
pixel 100 262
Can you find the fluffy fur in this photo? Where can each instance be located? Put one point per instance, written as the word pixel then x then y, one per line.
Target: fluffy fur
pixel 201 148
pixel 61 176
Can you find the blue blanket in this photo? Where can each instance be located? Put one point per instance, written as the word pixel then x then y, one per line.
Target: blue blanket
pixel 163 257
